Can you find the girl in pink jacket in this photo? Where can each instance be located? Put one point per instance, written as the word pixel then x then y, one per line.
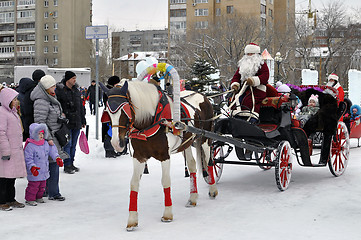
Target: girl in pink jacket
pixel 12 163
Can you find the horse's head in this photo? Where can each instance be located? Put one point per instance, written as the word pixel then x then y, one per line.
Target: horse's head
pixel 119 112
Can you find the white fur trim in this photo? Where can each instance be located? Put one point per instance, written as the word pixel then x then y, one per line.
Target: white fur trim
pixel 262 87
pixel 333 76
pixel 256 81
pixel 235 84
pixel 250 48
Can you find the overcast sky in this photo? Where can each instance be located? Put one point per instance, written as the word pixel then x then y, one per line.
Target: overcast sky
pixel 153 14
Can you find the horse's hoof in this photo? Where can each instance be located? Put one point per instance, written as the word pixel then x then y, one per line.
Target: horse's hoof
pixel 213 195
pixel 167 219
pixel 132 227
pixel 191 204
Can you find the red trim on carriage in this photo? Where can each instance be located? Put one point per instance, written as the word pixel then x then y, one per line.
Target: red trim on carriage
pixel 268 127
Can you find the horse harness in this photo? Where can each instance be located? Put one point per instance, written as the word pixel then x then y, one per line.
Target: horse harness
pixel 161 117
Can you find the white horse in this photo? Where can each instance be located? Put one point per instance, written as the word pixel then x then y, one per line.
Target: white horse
pixel 138 111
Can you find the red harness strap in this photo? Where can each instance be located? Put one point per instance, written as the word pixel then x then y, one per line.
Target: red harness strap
pixel 162 111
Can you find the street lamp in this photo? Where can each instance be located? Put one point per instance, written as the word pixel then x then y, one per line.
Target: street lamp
pixel 278 60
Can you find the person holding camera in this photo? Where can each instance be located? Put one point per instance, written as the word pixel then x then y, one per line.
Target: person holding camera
pixel 69 96
pixel 48 110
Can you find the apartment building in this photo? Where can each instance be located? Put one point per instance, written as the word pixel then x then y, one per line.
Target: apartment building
pixel 128 42
pixel 44 32
pixel 185 16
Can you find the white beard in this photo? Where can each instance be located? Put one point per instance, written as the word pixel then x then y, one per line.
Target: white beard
pixel 249 65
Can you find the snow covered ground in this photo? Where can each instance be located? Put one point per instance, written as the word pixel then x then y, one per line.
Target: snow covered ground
pixel 316 205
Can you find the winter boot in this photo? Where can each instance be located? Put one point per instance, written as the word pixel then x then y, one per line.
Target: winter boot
pixel 110 154
pixel 31 203
pixel 40 200
pixel 76 169
pixel 69 170
pixel 16 204
pixel 5 207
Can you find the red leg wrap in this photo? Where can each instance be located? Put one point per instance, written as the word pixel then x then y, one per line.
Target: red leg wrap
pixel 133 201
pixel 211 176
pixel 167 198
pixel 193 179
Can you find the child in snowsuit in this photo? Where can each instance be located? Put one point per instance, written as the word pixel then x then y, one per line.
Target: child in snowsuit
pixel 355 113
pixel 37 151
pixel 12 164
pixel 309 110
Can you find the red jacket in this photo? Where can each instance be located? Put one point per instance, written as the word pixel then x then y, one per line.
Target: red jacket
pixel 259 88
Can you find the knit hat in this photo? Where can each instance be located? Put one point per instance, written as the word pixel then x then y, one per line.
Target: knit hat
pixel 47 81
pixel 38 74
pixel 68 75
pixel 333 77
pixel 252 48
pixel 278 84
pixel 284 89
pixel 314 98
pixel 113 80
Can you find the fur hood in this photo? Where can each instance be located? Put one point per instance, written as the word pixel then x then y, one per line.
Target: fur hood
pixel 35 128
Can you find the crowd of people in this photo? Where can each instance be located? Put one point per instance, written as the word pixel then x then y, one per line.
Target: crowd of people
pixel 31 113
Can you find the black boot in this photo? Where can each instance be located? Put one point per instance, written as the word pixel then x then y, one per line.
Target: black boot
pixel 76 169
pixel 69 170
pixel 110 154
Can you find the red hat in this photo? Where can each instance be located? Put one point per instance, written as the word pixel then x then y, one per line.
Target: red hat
pixel 252 48
pixel 333 77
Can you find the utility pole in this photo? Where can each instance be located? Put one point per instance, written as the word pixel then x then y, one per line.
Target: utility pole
pixel 15 32
pixel 311 14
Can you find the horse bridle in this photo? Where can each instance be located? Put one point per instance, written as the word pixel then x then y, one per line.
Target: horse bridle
pixel 127 108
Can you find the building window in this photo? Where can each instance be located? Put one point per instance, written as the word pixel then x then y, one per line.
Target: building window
pixel 55 37
pixel 46 26
pixel 177 1
pixel 271 1
pixel 46 49
pixel 46 14
pixel 55 49
pixel 202 25
pixel 46 3
pixel 270 13
pixel 6 49
pixel 263 9
pixel 7 4
pixel 263 23
pixel 55 2
pixel 178 25
pixel 46 61
pixel 218 1
pixel 230 9
pixel 46 38
pixel 25 2
pixel 55 25
pixel 201 12
pixel 178 12
pixel 7 17
pixel 201 1
pixel 24 14
pixel 218 12
pixel 55 61
pixel 54 14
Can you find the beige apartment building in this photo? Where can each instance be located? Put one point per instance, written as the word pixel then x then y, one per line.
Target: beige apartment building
pixel 273 17
pixel 44 32
pixel 187 15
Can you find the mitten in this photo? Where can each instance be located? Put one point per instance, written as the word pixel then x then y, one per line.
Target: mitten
pixel 249 81
pixel 235 86
pixel 59 161
pixel 5 157
pixel 34 170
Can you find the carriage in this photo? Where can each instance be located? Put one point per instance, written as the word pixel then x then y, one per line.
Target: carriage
pixel 278 136
pixel 142 112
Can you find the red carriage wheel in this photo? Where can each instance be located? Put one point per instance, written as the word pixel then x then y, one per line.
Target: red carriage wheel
pixel 283 165
pixel 218 153
pixel 267 157
pixel 339 151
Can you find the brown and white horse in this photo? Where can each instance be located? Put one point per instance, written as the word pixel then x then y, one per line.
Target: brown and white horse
pixel 132 109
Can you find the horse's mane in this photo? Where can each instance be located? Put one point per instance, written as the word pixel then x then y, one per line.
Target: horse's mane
pixel 144 97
